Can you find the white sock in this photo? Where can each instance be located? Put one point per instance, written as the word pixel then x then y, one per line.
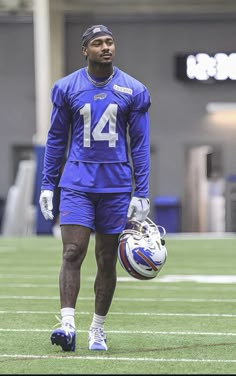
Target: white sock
pixel 68 316
pixel 98 321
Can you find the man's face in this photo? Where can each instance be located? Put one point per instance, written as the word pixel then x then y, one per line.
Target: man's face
pixel 100 50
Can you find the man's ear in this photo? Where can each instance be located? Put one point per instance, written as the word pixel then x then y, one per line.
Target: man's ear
pixel 84 51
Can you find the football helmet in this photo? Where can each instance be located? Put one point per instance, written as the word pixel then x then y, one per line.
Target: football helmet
pixel 141 249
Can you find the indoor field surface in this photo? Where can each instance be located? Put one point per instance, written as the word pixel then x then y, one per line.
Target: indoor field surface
pixel 181 322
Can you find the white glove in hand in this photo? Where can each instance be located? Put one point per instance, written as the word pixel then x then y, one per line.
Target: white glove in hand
pixel 45 202
pixel 138 208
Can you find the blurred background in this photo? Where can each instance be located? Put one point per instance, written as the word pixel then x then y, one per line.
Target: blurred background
pixel 182 50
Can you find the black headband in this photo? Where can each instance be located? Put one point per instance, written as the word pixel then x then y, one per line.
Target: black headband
pixel 94 32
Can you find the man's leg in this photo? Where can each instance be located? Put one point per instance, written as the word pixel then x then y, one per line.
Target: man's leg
pixel 75 240
pixel 105 282
pixel 104 287
pixel 110 220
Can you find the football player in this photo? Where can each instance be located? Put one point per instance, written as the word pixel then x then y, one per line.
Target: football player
pixel 100 115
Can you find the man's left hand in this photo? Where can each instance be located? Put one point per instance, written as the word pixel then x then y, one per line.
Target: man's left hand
pixel 138 208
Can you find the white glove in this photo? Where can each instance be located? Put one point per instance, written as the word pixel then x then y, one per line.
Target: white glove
pixel 138 208
pixel 45 202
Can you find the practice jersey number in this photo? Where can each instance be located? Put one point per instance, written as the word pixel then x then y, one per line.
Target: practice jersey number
pixel 109 116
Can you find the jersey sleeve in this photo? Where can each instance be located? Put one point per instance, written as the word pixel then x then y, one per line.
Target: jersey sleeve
pixel 139 129
pixel 57 140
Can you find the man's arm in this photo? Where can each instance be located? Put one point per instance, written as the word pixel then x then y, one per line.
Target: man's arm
pixel 55 150
pixel 140 152
pixel 139 129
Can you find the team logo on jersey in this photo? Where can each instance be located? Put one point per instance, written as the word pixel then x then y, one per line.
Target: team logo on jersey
pixel 123 89
pixel 100 96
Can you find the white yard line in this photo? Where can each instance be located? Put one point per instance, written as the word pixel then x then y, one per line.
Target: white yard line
pixel 123 313
pixel 168 278
pixel 27 276
pixel 29 285
pixel 180 300
pixel 116 358
pixel 201 235
pixel 229 334
pixel 138 286
pixel 198 278
pixel 17 268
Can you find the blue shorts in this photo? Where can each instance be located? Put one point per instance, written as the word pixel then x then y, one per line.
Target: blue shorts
pixel 105 213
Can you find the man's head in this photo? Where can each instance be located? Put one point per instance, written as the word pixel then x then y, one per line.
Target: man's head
pixel 98 44
pixel 94 32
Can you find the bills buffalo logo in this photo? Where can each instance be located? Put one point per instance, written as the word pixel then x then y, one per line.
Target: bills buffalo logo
pixel 100 96
pixel 144 257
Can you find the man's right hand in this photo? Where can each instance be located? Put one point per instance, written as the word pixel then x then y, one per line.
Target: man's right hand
pixel 45 202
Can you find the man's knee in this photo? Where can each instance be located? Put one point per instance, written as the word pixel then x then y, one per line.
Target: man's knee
pixel 73 253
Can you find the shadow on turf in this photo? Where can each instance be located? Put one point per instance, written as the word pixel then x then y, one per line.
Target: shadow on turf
pixel 163 349
pixel 158 349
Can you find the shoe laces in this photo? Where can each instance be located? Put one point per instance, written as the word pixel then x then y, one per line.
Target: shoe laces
pixel 66 326
pixel 97 335
pixel 58 323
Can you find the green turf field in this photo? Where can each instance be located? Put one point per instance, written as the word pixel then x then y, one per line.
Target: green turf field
pixel 182 322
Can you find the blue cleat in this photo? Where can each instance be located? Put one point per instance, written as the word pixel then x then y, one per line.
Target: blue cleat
pixel 97 339
pixel 65 336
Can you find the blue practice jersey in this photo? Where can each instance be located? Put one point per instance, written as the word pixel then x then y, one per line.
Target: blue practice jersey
pixel 96 122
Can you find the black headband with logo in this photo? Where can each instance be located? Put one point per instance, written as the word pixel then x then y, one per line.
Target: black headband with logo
pixel 94 32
